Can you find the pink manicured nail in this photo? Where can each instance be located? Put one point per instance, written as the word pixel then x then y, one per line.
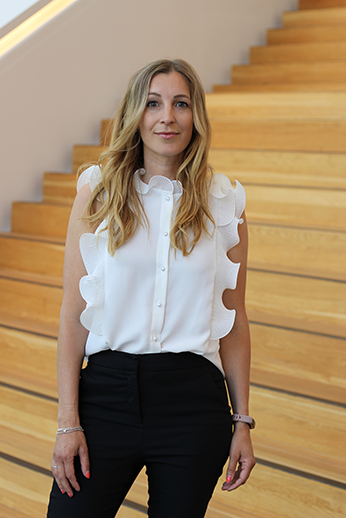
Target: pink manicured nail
pixel 69 494
pixel 63 492
pixel 87 474
pixel 228 479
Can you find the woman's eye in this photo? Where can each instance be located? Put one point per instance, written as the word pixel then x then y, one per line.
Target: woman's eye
pixel 182 104
pixel 152 104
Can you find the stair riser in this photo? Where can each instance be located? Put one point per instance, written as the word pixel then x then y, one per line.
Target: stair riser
pixel 32 256
pixel 30 307
pixel 297 53
pixel 40 219
pixel 314 17
pixel 286 135
pixel 291 73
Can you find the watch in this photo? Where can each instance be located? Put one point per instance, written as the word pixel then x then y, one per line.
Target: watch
pixel 244 419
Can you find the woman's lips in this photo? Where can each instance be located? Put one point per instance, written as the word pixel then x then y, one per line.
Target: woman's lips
pixel 167 135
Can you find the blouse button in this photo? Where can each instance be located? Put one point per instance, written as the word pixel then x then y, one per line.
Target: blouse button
pixel 165 234
pixel 155 338
pixel 163 268
pixel 168 198
pixel 159 304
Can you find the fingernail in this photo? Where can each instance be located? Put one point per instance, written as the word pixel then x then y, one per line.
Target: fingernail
pixel 69 494
pixel 87 474
pixel 63 492
pixel 228 479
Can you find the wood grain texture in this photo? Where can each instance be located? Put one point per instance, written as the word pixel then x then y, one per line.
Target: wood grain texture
pixel 59 188
pixel 281 167
pixel 31 255
pixel 286 135
pixel 326 51
pixel 269 494
pixel 300 251
pixel 7 512
pixel 333 15
pixel 321 4
pixel 297 302
pixel 296 207
pixel 311 34
pixel 299 362
pixel 277 106
pixel 40 218
pixel 85 155
pixel 319 86
pixel 317 448
pixel 30 307
pixel 28 361
pixel 23 489
pixel 290 73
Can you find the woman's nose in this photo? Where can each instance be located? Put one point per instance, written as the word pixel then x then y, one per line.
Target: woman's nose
pixel 167 115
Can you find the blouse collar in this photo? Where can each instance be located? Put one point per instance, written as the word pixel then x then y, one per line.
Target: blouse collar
pixel 162 183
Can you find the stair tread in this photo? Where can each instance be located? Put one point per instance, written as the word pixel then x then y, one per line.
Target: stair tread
pixel 36 278
pixel 278 105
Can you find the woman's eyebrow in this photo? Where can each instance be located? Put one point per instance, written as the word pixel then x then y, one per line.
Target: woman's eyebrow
pixel 178 95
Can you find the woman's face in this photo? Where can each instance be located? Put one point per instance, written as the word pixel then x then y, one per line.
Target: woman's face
pixel 167 123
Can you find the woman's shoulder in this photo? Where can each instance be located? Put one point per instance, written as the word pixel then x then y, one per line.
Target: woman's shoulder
pixel 92 176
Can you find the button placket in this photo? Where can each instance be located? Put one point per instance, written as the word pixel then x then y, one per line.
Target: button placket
pixel 162 267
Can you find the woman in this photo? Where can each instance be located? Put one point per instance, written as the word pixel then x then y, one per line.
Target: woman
pixel 153 260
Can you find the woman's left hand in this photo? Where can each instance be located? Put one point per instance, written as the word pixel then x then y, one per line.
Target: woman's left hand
pixel 241 453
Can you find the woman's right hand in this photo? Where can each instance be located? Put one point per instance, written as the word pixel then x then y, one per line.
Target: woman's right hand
pixel 67 447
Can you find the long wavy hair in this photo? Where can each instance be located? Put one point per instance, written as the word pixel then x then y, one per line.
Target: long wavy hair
pixel 121 205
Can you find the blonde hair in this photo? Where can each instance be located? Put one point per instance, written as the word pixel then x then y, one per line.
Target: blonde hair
pixel 121 203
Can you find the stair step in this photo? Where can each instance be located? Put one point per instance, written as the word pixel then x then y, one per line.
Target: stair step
pixel 268 494
pixel 290 73
pixel 28 426
pixel 326 51
pixel 85 155
pixel 30 255
pixel 30 307
pixel 314 17
pixel 23 489
pixel 312 34
pixel 281 167
pixel 40 218
pixel 28 361
pixel 319 86
pixel 321 4
pixel 316 449
pixel 301 362
pixel 283 134
pixel 59 188
pixel 276 106
pixel 7 512
pixel 314 253
pixel 295 302
pixel 296 207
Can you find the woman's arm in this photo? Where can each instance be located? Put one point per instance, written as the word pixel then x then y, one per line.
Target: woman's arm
pixel 71 346
pixel 235 357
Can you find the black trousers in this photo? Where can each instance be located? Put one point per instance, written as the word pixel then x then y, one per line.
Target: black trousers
pixel 168 412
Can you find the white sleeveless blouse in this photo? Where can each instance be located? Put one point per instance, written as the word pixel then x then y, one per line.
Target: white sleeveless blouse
pixel 149 298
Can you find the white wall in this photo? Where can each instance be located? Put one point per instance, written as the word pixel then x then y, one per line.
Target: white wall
pixel 57 85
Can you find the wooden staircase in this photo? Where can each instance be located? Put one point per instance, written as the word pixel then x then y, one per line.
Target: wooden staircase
pixel 280 129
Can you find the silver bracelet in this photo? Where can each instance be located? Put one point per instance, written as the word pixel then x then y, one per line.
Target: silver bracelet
pixel 69 430
pixel 236 418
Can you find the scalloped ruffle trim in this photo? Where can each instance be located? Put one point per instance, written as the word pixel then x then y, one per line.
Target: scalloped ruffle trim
pixel 227 205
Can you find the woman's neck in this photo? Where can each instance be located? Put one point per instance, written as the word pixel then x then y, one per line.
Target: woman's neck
pixel 167 167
